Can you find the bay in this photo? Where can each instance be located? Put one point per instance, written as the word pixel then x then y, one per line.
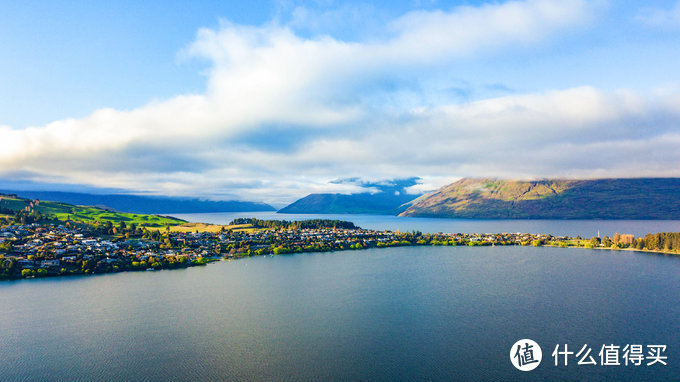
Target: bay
pixel 405 313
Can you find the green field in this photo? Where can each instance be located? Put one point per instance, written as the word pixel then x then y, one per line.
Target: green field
pixel 84 214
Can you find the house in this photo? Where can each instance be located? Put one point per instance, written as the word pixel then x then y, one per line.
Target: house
pixel 25 264
pixel 626 239
pixel 49 263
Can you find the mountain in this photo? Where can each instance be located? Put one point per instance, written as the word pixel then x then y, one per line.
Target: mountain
pixel 484 198
pixel 145 204
pixel 363 203
pixel 386 197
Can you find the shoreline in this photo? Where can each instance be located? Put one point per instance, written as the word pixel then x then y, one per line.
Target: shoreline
pixel 216 259
pixel 649 251
pixel 53 250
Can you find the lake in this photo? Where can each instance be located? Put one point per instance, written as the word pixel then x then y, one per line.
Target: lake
pixel 404 313
pixel 584 228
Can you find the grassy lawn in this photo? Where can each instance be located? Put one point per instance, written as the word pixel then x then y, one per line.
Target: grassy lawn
pixel 213 228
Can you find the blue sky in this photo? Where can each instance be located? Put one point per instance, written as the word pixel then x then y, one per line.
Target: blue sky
pixel 274 100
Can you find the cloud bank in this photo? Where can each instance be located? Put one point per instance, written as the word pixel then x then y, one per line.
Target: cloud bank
pixel 284 115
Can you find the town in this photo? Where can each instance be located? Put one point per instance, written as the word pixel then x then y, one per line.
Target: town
pixel 65 248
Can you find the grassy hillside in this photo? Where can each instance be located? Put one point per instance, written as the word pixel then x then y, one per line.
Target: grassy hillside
pixel 63 211
pixel 637 198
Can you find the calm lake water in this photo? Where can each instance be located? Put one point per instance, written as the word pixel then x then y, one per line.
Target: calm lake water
pixel 407 313
pixel 585 228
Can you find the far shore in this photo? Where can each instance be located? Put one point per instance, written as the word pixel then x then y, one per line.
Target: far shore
pixel 644 250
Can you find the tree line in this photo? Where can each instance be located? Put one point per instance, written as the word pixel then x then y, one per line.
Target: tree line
pixel 663 241
pixel 301 224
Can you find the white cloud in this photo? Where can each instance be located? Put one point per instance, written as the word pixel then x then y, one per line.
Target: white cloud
pixel 661 17
pixel 423 35
pixel 284 115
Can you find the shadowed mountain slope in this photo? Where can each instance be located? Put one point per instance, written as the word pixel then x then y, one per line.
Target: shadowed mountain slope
pixel 488 198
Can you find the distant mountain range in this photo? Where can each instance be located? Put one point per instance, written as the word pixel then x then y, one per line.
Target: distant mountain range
pixel 476 198
pixel 145 204
pixel 387 198
pixel 483 198
pixel 364 203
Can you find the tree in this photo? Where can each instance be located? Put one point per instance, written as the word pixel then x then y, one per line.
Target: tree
pixel 202 260
pixel 6 246
pixel 166 243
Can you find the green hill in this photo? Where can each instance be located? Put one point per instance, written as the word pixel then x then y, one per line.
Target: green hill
pixel 625 198
pixel 84 214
